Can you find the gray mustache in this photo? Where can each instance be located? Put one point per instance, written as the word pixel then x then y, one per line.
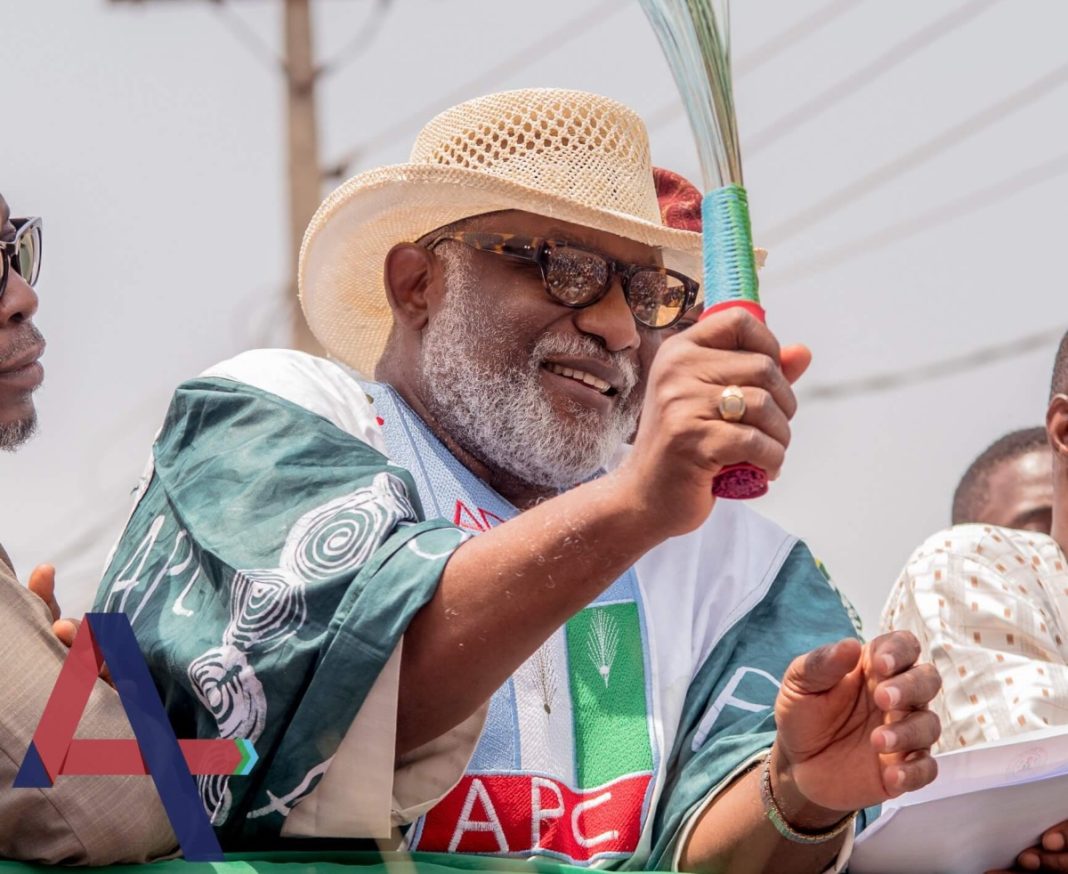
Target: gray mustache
pixel 584 347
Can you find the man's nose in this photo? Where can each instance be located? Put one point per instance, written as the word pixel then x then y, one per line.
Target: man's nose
pixel 19 301
pixel 611 320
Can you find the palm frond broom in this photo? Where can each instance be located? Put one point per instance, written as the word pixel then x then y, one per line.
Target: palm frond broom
pixel 695 37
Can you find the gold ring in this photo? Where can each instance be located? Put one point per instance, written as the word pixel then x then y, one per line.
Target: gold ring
pixel 732 404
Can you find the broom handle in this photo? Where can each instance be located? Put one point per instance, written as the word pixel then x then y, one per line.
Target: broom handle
pixel 731 281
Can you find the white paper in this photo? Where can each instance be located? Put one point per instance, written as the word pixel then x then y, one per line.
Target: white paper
pixel 986 805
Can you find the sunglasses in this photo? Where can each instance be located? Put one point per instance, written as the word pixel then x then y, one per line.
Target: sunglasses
pixel 22 254
pixel 576 277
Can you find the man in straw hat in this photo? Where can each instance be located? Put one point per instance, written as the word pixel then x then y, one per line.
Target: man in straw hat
pixel 596 677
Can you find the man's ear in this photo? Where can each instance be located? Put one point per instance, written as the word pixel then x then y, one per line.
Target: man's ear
pixel 410 274
pixel 1057 426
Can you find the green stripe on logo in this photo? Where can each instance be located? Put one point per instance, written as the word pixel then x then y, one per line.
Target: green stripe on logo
pixel 607 672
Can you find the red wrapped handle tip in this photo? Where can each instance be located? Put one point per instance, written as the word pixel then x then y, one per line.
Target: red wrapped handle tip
pixel 739 482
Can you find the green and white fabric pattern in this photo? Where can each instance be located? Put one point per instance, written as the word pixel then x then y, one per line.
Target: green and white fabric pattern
pixel 289 528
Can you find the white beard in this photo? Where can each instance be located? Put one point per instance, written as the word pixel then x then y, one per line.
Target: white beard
pixel 502 415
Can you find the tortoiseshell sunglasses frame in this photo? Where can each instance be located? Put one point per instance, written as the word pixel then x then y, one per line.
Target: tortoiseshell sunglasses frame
pixel 535 250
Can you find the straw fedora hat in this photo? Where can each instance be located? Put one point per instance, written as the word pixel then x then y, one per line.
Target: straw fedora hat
pixel 570 155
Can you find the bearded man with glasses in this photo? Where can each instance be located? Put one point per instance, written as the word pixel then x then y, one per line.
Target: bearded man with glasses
pixel 444 595
pixel 87 821
pixel 21 344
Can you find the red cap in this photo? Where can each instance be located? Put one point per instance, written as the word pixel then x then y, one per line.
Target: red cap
pixel 680 201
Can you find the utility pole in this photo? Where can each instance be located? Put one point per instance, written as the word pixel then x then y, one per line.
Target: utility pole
pixel 300 74
pixel 303 148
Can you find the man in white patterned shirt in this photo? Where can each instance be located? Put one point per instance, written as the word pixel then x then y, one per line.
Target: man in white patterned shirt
pixel 990 608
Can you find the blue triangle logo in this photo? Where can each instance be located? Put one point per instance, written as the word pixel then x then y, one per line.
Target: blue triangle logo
pixel 32 774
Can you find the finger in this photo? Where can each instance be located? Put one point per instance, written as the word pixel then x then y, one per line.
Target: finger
pixel 1029 860
pixel 917 731
pixel 43 584
pixel 735 328
pixel 795 360
pixel 66 630
pixel 737 443
pixel 894 653
pixel 822 668
pixel 1055 839
pixel 910 775
pixel 749 369
pixel 916 687
pixel 1051 854
pixel 1046 861
pixel 762 412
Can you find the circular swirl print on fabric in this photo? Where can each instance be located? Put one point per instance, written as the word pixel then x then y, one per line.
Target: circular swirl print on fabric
pixel 215 795
pixel 438 543
pixel 341 535
pixel 266 608
pixel 226 685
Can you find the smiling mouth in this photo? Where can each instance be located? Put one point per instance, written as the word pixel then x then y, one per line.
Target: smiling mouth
pixel 587 379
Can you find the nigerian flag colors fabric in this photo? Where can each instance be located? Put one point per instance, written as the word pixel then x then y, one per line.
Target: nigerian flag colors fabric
pixel 291 523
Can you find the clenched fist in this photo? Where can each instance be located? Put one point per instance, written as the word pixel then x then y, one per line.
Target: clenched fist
pixel 683 442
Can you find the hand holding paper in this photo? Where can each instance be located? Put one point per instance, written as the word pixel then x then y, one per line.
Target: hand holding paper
pixel 989 802
pixel 1049 854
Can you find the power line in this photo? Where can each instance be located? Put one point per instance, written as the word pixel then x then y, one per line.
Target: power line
pixel 361 41
pixel 864 77
pixel 948 138
pixel 249 38
pixel 567 32
pixel 805 28
pixel 273 61
pixel 918 223
pixel 764 53
pixel 953 366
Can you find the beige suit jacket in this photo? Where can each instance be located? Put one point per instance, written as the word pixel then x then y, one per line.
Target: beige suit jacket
pixel 80 820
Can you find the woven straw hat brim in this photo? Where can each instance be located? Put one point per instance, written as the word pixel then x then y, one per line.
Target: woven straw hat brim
pixel 341 261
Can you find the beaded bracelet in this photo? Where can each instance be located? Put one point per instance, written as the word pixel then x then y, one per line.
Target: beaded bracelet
pixel 782 825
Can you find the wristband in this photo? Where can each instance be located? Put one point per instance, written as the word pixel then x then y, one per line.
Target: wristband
pixel 782 825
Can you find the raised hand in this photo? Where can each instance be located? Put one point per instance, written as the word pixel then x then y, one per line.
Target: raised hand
pixel 683 442
pixel 853 725
pixel 43 584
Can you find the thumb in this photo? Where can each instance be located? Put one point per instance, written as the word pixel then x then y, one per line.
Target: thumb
pixel 795 360
pixel 66 630
pixel 823 668
pixel 43 584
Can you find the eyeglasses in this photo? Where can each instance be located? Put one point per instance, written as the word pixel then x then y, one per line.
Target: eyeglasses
pixel 23 253
pixel 576 277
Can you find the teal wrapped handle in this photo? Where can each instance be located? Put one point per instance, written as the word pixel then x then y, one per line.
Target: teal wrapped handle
pixel 727 241
pixel 731 280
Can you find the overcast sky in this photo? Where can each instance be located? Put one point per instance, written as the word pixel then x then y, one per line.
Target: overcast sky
pixel 907 170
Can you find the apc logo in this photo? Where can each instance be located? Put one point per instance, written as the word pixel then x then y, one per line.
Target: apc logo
pixel 54 751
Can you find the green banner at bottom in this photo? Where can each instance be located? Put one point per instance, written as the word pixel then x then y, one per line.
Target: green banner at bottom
pixel 327 863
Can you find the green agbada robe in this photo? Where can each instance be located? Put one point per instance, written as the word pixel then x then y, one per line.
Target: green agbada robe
pixel 268 574
pixel 275 556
